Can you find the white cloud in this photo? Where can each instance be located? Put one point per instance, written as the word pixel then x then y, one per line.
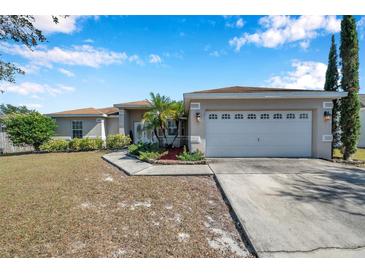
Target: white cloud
pixel 136 59
pixel 305 75
pixel 240 23
pixel 65 24
pixel 66 72
pixel 361 27
pixel 231 22
pixel 32 105
pixel 217 53
pixel 278 30
pixel 90 41
pixel 155 59
pixel 84 55
pixel 31 88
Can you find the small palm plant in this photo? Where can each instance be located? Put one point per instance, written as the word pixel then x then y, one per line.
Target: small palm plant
pixel 177 110
pixel 157 116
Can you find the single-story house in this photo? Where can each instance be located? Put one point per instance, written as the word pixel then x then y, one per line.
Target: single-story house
pixel 362 119
pixel 226 122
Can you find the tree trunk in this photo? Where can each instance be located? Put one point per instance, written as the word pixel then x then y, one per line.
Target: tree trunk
pixel 177 132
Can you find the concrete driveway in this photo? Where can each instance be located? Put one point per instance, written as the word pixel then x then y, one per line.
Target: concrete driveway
pixel 297 207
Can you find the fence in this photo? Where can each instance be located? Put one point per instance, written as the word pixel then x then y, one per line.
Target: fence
pixel 6 146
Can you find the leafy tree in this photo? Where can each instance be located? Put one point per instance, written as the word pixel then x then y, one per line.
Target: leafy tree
pixel 158 114
pixel 9 109
pixel 20 29
pixel 29 129
pixel 350 105
pixel 332 84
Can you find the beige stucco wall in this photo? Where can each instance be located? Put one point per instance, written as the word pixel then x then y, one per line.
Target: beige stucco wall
pixel 320 149
pixel 112 125
pixel 91 128
pixel 362 136
pixel 127 117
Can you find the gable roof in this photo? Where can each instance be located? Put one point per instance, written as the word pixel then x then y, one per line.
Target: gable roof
pixel 87 112
pixel 240 89
pixel 362 100
pixel 142 104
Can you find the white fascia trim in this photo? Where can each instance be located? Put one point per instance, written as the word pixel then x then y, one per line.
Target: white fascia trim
pixel 268 95
pixel 76 115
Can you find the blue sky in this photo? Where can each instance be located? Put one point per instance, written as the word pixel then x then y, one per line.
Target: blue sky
pixel 102 60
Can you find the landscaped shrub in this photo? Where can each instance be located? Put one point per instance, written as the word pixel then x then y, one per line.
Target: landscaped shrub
pixel 55 145
pixel 191 156
pixel 87 144
pixel 117 141
pixel 75 144
pixel 149 155
pixel 136 149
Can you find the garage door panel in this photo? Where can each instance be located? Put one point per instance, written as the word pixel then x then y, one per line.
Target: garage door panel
pixel 284 136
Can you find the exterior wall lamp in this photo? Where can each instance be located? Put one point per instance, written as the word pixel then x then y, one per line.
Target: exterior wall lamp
pixel 197 116
pixel 327 115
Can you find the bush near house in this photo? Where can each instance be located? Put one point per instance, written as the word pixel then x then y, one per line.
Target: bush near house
pixel 191 156
pixel 149 155
pixel 87 144
pixel 117 141
pixel 55 145
pixel 136 149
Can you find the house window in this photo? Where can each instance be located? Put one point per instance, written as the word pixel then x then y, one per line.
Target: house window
pixel 238 116
pixel 171 127
pixel 290 116
pixel 251 116
pixel 264 116
pixel 213 116
pixel 278 116
pixel 303 116
pixel 76 129
pixel 226 116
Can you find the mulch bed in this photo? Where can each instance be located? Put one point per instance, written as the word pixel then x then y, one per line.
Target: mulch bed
pixel 172 153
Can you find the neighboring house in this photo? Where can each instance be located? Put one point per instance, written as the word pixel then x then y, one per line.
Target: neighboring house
pixel 226 122
pixel 362 119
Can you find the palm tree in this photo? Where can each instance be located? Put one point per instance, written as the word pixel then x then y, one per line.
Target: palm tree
pixel 177 110
pixel 158 114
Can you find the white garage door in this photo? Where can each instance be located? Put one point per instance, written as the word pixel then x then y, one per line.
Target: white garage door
pixel 258 133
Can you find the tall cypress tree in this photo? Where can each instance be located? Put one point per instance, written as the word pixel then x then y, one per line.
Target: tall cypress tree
pixel 350 105
pixel 332 84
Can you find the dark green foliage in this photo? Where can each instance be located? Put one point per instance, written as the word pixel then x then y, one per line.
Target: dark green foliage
pixel 191 156
pixel 29 129
pixel 149 155
pixel 117 141
pixel 332 84
pixel 350 105
pixel 9 109
pixel 136 149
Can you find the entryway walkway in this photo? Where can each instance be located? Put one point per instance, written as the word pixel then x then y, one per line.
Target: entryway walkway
pixel 135 167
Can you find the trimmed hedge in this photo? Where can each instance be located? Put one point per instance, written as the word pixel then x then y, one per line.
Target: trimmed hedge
pixel 117 141
pixel 191 156
pixel 76 144
pixel 136 149
pixel 55 145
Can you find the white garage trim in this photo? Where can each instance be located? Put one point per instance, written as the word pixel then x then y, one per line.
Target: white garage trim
pixel 258 133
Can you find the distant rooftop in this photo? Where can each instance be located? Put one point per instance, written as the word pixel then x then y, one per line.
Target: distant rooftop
pixel 88 111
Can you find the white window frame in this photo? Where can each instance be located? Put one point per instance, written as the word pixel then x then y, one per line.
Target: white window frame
pixel 290 116
pixel 277 116
pixel 252 116
pixel 226 116
pixel 238 116
pixel 73 129
pixel 213 116
pixel 171 124
pixel 303 116
pixel 264 116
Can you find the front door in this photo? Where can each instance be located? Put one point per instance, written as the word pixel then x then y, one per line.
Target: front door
pixel 141 134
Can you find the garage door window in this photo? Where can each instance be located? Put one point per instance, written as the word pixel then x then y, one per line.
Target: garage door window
pixel 251 116
pixel 290 116
pixel 264 116
pixel 303 116
pixel 213 116
pixel 278 116
pixel 238 116
pixel 226 116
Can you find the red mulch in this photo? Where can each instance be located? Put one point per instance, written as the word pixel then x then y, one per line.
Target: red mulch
pixel 172 153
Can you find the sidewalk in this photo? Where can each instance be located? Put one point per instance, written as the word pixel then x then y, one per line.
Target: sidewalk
pixel 135 167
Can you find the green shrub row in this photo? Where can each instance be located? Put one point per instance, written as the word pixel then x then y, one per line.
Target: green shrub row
pixel 136 149
pixel 113 142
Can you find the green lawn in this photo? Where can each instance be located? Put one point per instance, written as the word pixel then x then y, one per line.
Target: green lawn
pixel 77 205
pixel 359 155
